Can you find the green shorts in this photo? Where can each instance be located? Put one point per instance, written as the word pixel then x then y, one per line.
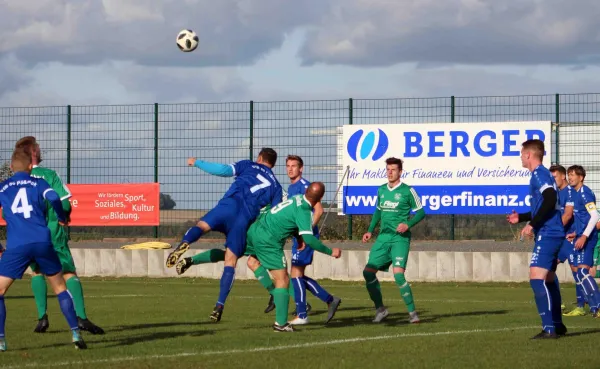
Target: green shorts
pixel 270 255
pixel 388 250
pixel 65 257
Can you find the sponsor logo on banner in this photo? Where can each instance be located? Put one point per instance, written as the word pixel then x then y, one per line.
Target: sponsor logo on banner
pixel 114 204
pixel 456 168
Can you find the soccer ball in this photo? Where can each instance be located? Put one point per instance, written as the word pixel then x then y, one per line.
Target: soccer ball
pixel 187 40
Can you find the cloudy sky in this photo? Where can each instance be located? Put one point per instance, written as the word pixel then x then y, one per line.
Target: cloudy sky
pixel 57 52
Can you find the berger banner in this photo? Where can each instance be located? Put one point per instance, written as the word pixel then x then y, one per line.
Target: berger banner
pixel 114 204
pixel 456 168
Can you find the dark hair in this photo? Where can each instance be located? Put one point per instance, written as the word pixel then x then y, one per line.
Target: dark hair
pixel 296 158
pixel 392 161
pixel 537 146
pixel 577 169
pixel 558 168
pixel 268 155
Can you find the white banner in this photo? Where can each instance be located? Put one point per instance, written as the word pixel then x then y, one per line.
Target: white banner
pixel 457 168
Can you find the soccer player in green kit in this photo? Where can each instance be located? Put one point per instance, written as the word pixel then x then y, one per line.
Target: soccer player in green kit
pixel 395 200
pixel 267 236
pixel 60 243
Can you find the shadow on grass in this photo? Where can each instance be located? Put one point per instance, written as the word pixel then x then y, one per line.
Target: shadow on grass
pixel 402 318
pixel 109 342
pixel 582 333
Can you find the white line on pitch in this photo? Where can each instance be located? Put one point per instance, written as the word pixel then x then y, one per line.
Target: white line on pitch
pixel 265 348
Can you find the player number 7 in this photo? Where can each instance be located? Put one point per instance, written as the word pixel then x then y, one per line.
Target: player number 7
pixel 263 183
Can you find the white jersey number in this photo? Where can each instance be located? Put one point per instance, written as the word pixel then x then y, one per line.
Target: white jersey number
pixel 282 205
pixel 21 204
pixel 263 184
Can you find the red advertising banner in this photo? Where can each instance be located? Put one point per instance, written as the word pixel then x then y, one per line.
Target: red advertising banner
pixel 114 204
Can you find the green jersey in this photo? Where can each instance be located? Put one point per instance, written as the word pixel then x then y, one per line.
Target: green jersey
pixel 290 217
pixel 394 206
pixel 58 233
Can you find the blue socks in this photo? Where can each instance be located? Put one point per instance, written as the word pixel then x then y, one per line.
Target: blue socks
pixel 300 297
pixel 555 298
pixel 590 288
pixel 581 298
pixel 66 305
pixel 2 316
pixel 68 309
pixel 300 286
pixel 543 303
pixel 317 290
pixel 226 284
pixel 192 235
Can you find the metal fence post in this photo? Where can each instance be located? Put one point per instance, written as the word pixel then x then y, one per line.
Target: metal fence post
pixel 69 130
pixel 350 118
pixel 557 122
pixel 452 218
pixel 156 155
pixel 251 143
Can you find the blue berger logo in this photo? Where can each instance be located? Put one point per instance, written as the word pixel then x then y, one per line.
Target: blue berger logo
pixel 373 146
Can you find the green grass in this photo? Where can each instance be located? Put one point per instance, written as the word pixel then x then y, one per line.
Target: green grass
pixel 163 323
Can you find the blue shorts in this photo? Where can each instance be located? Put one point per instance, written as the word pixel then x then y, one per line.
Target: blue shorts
pixel 566 252
pixel 305 256
pixel 232 218
pixel 16 260
pixel 545 252
pixel 585 256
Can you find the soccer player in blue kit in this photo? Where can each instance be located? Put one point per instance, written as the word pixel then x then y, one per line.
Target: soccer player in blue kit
pixel 254 187
pixel 22 199
pixel 302 255
pixel 545 224
pixel 585 234
pixel 567 249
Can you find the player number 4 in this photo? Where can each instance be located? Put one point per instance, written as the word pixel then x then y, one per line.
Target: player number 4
pixel 21 204
pixel 263 183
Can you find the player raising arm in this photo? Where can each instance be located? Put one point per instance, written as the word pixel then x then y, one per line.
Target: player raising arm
pixel 254 187
pixel 545 223
pixel 267 237
pixel 28 238
pixel 394 203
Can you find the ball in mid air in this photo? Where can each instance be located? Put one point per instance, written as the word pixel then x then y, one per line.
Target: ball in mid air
pixel 187 40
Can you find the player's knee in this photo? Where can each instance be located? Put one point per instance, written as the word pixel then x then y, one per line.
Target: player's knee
pixel 203 226
pixel 582 273
pixel 369 276
pixel 400 279
pixel 253 263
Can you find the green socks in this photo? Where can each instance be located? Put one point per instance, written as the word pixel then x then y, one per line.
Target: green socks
pixel 281 298
pixel 264 278
pixel 374 288
pixel 76 291
pixel 210 256
pixel 405 291
pixel 291 290
pixel 40 293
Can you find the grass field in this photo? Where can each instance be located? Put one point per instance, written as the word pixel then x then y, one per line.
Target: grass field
pixel 163 323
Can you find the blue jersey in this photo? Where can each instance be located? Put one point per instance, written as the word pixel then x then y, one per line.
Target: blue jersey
pixel 565 199
pixel 584 202
pixel 541 179
pixel 298 188
pixel 22 199
pixel 255 184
